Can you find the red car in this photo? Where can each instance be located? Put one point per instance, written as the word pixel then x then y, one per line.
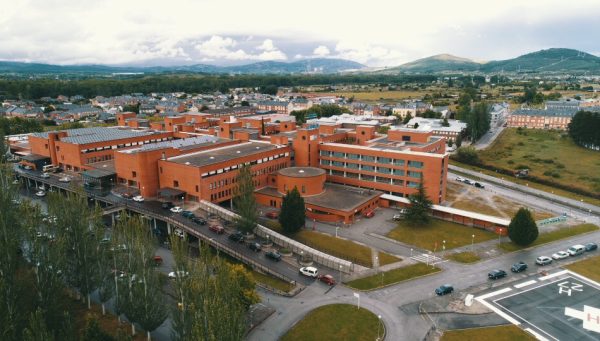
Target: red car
pixel 158 260
pixel 369 214
pixel 271 215
pixel 327 279
pixel 216 228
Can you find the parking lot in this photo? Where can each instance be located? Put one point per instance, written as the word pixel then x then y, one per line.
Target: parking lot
pixel 562 306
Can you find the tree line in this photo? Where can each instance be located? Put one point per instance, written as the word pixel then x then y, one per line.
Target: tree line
pixel 584 129
pixel 91 87
pixel 48 257
pixel 474 112
pixel 321 110
pixel 18 125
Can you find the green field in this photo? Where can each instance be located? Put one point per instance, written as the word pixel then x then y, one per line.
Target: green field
pixel 338 247
pixel 501 333
pixel 336 322
pixel 426 237
pixel 548 155
pixel 393 276
pixel 589 268
pixel 464 257
pixel 552 236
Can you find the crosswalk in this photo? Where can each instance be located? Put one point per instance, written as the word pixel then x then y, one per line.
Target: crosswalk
pixel 428 259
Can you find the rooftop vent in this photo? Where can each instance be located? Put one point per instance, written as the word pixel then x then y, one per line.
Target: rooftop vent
pixel 212 157
pixel 187 163
pixel 301 171
pixel 237 152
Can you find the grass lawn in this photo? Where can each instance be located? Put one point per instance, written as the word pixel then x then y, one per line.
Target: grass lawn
pixel 393 276
pixel 589 268
pixel 437 231
pixel 464 257
pixel 500 333
pixel 335 322
pixel 547 155
pixel 384 95
pixel 548 237
pixel 338 247
pixel 271 281
pixel 386 258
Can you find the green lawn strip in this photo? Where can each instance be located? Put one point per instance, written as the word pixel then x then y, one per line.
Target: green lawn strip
pixel 464 257
pixel 589 268
pixel 386 258
pixel 522 182
pixel 394 276
pixel 337 247
pixel 500 333
pixel 426 237
pixel 551 236
pixel 336 322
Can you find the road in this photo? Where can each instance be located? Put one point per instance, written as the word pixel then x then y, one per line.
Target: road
pixel 489 137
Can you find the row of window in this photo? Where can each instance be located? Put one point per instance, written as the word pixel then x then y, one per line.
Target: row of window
pixel 368 168
pixel 220 195
pixel 369 158
pixel 123 145
pixel 371 178
pixel 100 158
pixel 251 163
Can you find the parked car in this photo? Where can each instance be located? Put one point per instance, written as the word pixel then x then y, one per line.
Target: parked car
pixel 327 279
pixel 591 246
pixel 272 215
pixel 255 247
pixel 176 209
pixel 179 233
pixel 444 290
pixel 45 175
pixel 199 220
pixel 138 198
pixel 127 196
pixel 65 179
pixel 560 255
pixel 157 260
pixel 167 205
pixel 274 255
pixel 479 185
pixel 518 267
pixel 309 271
pixel 188 214
pixel 576 250
pixel 218 229
pixel 461 179
pixel 40 193
pixel 369 214
pixel 469 182
pixel 180 274
pixel 495 274
pixel 237 237
pixel 543 260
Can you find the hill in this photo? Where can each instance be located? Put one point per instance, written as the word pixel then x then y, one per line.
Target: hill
pixel 550 60
pixel 437 64
pixel 319 65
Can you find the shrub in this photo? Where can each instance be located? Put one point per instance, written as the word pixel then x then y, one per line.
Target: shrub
pixel 467 155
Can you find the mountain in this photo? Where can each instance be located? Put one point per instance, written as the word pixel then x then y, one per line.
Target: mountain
pixel 436 64
pixel 317 65
pixel 550 60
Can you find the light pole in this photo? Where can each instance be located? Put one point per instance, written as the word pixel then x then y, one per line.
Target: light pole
pixel 336 230
pixel 340 273
pixel 444 248
pixel 301 256
pixel 411 250
pixel 378 327
pixel 472 241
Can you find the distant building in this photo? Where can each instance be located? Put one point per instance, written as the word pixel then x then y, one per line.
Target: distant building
pixel 435 126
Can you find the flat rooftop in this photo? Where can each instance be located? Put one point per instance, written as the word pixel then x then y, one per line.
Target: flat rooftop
pixel 218 155
pixel 301 172
pixel 181 144
pixel 335 197
pixel 98 134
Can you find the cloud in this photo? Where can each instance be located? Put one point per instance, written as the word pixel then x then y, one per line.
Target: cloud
pixel 321 51
pixel 368 53
pixel 217 47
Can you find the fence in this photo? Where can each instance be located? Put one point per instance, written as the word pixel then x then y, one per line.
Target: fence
pixel 285 242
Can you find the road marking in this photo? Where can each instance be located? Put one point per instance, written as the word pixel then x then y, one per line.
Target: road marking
pixel 495 293
pixel 498 311
pixel 556 274
pixel 521 285
pixel 585 279
pixel 537 336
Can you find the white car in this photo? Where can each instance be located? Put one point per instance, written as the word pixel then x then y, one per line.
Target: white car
pixel 40 193
pixel 309 271
pixel 543 260
pixel 176 209
pixel 138 198
pixel 65 179
pixel 180 273
pixel 560 255
pixel 179 233
pixel 461 179
pixel 45 175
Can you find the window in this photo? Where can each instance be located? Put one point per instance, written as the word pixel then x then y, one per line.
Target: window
pixel 406 138
pixel 337 164
pixel 133 174
pixel 196 188
pixel 352 165
pixel 384 160
pixel 175 183
pixel 303 189
pixel 398 172
pixel 46 145
pixel 398 162
pixel 160 170
pixel 368 168
pixel 384 170
pixel 325 162
pixel 368 158
pixel 417 175
pixel 353 156
pixel 415 164
pixel 338 154
pixel 412 184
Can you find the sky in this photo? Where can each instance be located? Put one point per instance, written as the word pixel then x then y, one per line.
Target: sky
pixel 376 33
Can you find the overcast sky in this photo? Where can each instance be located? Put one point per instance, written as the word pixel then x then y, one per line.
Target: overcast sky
pixel 224 32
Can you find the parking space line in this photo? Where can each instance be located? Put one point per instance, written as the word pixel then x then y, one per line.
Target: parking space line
pixel 556 274
pixel 498 292
pixel 537 336
pixel 498 311
pixel 521 285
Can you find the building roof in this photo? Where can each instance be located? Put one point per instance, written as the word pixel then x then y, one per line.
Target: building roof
pixel 227 153
pixel 435 124
pixel 564 112
pixel 181 144
pixel 98 134
pixel 301 172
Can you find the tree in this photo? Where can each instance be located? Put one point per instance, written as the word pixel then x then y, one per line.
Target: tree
pixel 522 229
pixel 293 212
pixel 407 118
pixel 450 143
pixel 466 155
pixel 245 103
pixel 244 201
pixel 418 211
pixel 445 122
pixel 459 140
pixel 584 129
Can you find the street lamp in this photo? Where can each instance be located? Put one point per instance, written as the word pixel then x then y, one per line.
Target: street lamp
pixel 411 250
pixel 444 248
pixel 472 241
pixel 378 327
pixel 336 230
pixel 340 273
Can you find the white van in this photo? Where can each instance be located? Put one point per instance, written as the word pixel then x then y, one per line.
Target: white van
pixel 576 250
pixel 49 168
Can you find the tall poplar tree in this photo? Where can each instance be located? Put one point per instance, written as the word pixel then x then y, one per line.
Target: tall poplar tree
pixel 244 201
